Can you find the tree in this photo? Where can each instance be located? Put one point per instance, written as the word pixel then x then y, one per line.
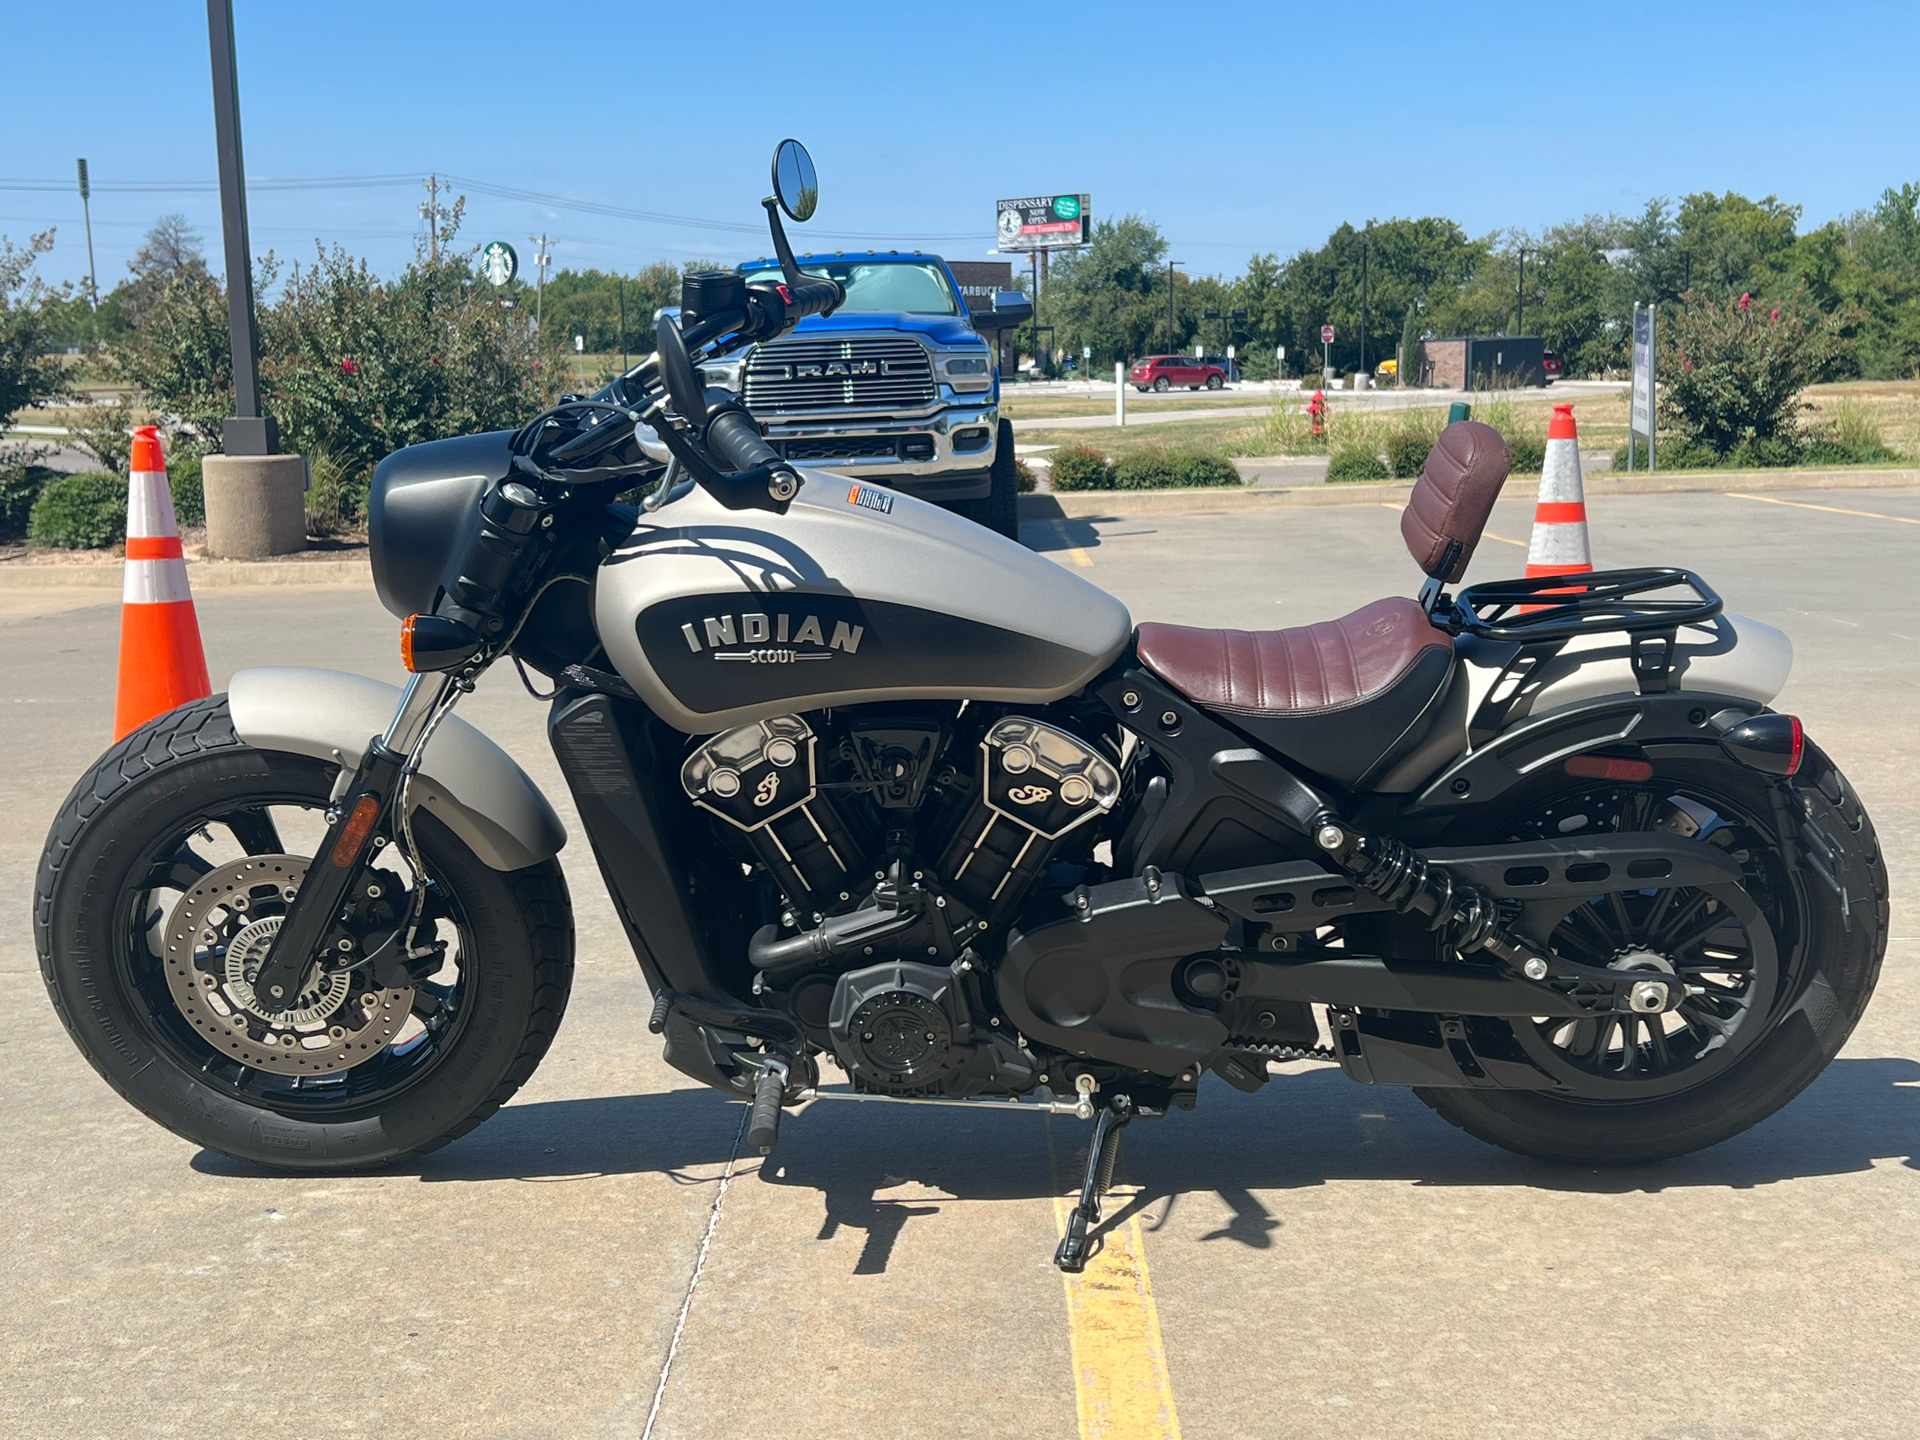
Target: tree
pixel 26 375
pixel 1735 245
pixel 1112 295
pixel 1406 260
pixel 171 251
pixel 1733 370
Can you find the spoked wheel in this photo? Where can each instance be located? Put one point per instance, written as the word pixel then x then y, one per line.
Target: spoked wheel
pixel 1778 967
pixel 166 877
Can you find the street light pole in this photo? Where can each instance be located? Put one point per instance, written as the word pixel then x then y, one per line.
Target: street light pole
pixel 1366 244
pixel 1170 321
pixel 247 431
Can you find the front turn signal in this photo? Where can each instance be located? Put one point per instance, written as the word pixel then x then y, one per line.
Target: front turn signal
pixel 430 643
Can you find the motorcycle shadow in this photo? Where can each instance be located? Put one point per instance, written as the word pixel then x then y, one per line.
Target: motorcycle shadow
pixel 1302 1130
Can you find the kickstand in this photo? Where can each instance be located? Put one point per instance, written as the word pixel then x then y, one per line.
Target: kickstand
pixel 1101 1155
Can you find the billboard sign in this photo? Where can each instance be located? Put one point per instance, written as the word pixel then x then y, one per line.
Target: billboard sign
pixel 1043 222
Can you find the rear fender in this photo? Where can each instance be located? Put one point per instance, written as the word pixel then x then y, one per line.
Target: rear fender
pixel 1658 725
pixel 466 781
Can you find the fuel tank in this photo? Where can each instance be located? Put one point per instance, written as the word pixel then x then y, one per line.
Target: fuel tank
pixel 724 617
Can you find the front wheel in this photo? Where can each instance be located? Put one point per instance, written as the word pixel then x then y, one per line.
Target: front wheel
pixel 167 873
pixel 1778 968
pixel 1213 382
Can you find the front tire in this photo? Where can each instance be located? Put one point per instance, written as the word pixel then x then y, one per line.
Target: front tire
pixel 161 810
pixel 999 510
pixel 1829 951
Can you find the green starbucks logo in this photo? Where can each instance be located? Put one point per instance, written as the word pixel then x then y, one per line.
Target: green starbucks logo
pixel 498 263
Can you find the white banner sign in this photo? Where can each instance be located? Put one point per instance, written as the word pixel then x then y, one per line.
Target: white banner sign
pixel 1641 420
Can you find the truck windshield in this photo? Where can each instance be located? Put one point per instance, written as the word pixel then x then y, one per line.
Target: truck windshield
pixel 905 287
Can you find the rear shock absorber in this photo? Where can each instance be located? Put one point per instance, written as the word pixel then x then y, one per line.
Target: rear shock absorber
pixel 1467 916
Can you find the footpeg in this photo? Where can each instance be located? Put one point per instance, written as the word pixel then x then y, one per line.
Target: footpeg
pixel 763 1128
pixel 1076 1245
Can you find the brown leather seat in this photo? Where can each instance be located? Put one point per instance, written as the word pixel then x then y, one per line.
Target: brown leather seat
pixel 1347 697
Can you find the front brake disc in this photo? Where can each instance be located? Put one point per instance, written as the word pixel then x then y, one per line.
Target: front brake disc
pixel 219 933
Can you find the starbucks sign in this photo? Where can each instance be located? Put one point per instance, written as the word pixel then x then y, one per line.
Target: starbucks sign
pixel 498 263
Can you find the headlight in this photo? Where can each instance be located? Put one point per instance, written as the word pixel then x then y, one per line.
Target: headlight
pixel 967 372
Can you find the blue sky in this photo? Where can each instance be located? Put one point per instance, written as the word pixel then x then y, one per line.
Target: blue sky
pixel 1236 128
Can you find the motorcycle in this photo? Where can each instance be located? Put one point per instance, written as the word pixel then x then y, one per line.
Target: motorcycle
pixel 874 786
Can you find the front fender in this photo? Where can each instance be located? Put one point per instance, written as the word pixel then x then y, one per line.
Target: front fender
pixel 466 781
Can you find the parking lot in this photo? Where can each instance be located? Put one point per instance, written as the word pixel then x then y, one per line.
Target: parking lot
pixel 1320 1259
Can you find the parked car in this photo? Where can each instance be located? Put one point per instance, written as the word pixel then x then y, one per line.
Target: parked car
pixel 1550 363
pixel 1163 372
pixel 1386 370
pixel 1232 367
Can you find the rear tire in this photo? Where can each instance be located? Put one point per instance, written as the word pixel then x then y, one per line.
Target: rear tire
pixel 1160 385
pixel 1830 955
pixel 94 908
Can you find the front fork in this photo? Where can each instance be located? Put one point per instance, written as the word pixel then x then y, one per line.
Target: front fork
pixel 363 805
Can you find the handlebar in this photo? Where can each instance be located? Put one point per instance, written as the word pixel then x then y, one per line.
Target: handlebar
pixel 814 297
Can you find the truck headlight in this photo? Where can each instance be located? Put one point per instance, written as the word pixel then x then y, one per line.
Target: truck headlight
pixel 967 372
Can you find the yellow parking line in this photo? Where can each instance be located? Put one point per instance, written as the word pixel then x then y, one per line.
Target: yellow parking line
pixel 1119 1364
pixel 1831 509
pixel 1080 557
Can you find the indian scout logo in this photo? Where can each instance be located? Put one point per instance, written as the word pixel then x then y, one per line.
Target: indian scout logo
pixel 770 639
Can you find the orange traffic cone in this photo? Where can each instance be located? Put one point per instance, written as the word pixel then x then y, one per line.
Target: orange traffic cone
pixel 1560 515
pixel 161 662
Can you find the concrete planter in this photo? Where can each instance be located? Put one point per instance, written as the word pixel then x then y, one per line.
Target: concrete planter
pixel 256 505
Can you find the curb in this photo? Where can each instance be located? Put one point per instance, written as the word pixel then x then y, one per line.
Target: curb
pixel 201 575
pixel 1089 503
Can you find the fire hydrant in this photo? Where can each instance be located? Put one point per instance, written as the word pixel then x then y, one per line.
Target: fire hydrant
pixel 1317 409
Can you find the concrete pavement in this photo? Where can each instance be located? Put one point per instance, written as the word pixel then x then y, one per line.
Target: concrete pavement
pixel 1325 1259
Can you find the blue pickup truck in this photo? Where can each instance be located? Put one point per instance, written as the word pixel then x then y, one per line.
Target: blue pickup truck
pixel 897 386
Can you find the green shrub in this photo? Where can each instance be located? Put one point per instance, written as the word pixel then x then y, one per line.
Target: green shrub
pixel 183 481
pixel 20 486
pixel 1152 468
pixel 1023 478
pixel 1407 452
pixel 1201 468
pixel 1080 467
pixel 1355 462
pixel 1733 372
pixel 1674 454
pixel 80 512
pixel 1529 453
pixel 1763 452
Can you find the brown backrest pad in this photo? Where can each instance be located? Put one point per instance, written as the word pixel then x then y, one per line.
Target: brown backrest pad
pixel 1453 498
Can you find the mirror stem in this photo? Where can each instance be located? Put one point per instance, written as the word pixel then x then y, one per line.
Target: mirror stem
pixel 789 267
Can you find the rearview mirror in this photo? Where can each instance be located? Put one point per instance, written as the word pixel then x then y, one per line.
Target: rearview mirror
pixel 794 183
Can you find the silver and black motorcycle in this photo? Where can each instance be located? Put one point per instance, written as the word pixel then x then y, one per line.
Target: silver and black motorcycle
pixel 873 785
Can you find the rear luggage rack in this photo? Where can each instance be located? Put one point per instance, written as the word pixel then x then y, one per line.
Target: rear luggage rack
pixel 1558 607
pixel 1542 612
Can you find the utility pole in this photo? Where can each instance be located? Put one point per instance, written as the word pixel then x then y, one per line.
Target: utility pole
pixel 622 284
pixel 93 283
pixel 1366 244
pixel 247 431
pixel 1171 342
pixel 1520 296
pixel 540 258
pixel 430 212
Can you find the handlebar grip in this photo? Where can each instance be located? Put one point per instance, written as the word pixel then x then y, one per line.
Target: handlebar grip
pixel 736 443
pixel 814 297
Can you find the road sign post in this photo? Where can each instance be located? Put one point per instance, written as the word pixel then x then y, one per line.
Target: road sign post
pixel 1326 351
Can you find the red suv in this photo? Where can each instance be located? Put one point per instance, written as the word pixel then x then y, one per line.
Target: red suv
pixel 1163 372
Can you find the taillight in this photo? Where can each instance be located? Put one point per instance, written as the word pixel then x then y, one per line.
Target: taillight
pixel 1771 744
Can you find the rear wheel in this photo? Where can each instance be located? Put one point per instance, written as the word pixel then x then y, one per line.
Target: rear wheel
pixel 1779 966
pixel 1160 385
pixel 166 875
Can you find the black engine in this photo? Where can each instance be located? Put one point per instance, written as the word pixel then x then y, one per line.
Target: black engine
pixel 894 843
